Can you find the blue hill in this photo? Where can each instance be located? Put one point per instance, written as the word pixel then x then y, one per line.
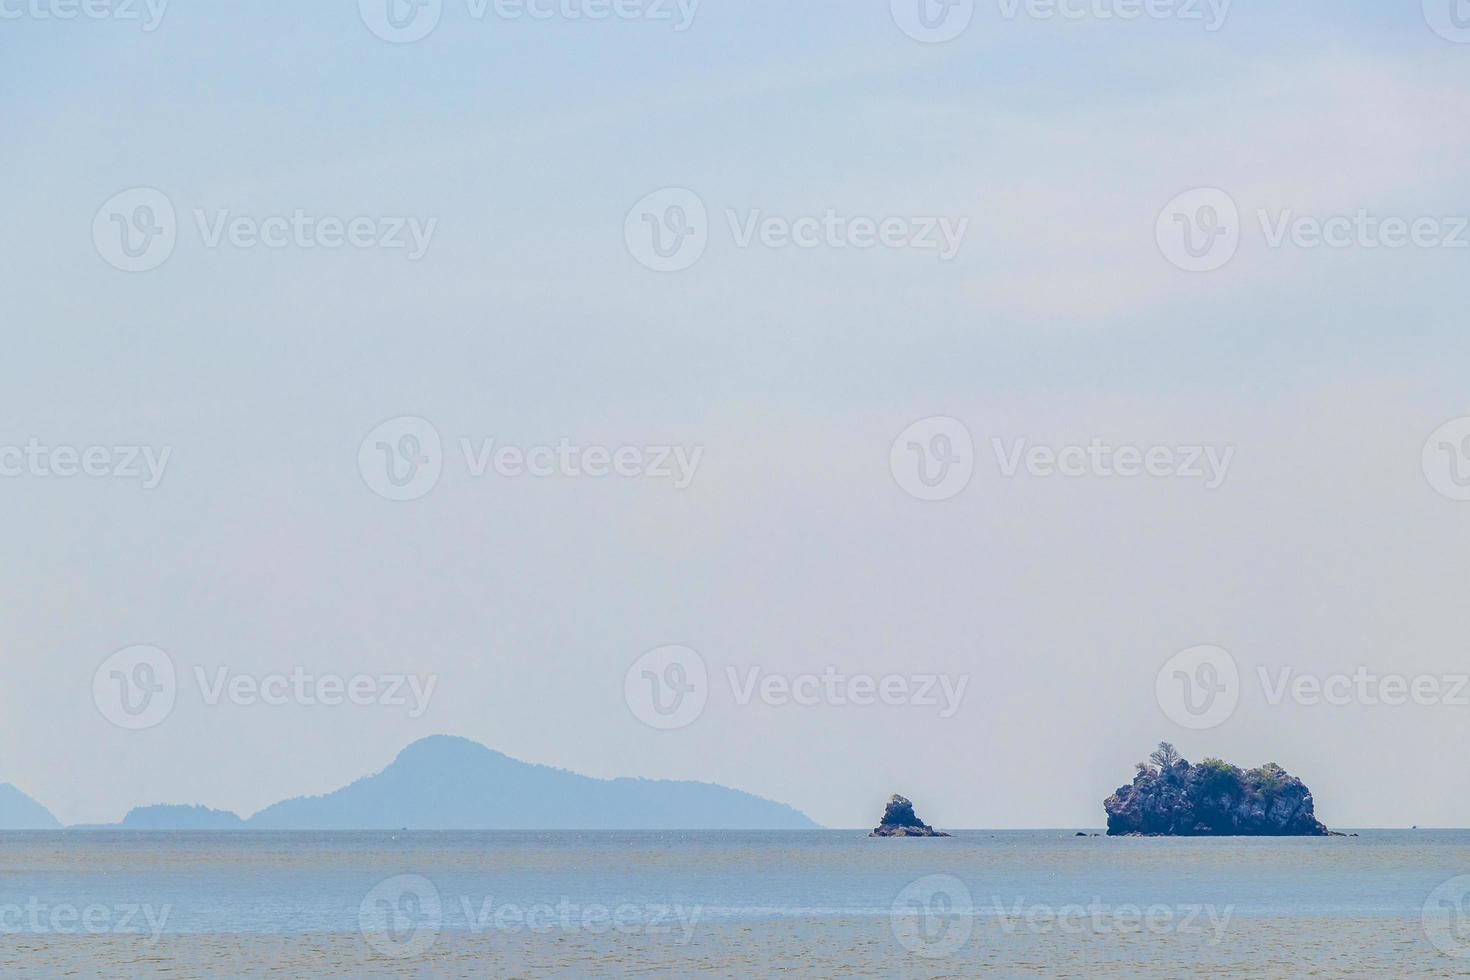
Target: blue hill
pixel 445 783
pixel 19 812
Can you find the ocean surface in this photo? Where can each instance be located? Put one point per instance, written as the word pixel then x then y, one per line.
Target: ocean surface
pixel 815 903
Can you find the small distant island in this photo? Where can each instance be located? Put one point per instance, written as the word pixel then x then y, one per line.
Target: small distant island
pixel 1169 797
pixel 899 820
pixel 169 817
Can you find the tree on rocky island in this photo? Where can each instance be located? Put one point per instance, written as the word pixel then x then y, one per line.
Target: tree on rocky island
pixel 1165 756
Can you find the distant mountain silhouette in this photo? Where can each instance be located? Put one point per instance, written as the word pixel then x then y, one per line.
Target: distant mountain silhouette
pixel 19 812
pixel 446 783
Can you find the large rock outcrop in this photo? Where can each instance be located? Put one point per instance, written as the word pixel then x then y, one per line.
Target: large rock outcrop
pixel 899 820
pixel 1170 797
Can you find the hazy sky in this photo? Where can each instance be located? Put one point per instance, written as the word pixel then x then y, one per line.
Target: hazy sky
pixel 518 149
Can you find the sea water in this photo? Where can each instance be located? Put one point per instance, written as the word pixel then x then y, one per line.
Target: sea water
pixel 819 903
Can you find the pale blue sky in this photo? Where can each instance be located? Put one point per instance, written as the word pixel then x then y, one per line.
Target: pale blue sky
pixel 528 320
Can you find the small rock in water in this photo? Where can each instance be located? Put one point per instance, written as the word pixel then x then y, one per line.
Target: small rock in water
pixel 899 820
